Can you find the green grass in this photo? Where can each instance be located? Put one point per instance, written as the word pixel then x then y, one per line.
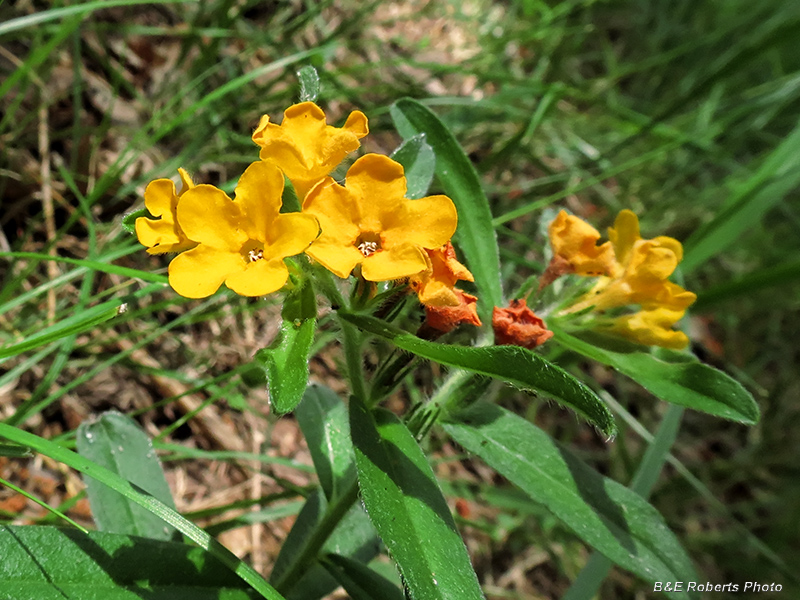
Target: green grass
pixel 688 114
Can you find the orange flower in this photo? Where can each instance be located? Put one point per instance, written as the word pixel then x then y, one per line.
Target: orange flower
pixel 304 146
pixel 446 318
pixel 518 325
pixel 436 285
pixel 161 200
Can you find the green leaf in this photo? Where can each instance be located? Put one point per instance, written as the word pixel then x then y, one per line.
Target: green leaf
pixel 48 563
pixel 309 83
pixel 129 219
pixel 406 506
pixel 303 528
pixel 323 420
pixel 116 442
pixel 518 366
pixel 86 320
pixel 673 377
pixel 14 451
pixel 170 516
pixel 57 14
pixel 419 163
pixel 353 536
pixel 475 235
pixel 359 581
pixel 605 514
pixel 286 359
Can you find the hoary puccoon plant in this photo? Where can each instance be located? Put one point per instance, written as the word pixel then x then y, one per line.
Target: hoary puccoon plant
pixel 407 278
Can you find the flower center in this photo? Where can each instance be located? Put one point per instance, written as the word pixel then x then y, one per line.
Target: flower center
pixel 368 243
pixel 252 251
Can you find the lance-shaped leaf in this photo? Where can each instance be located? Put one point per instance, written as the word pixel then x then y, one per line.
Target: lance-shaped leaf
pixel 116 442
pixel 358 580
pixel 673 377
pixel 354 536
pixel 286 359
pixel 49 563
pixel 407 508
pixel 517 366
pixel 323 420
pixel 605 514
pixel 475 234
pixel 135 494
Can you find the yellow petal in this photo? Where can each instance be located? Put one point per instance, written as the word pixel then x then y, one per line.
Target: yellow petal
pixel 652 328
pixel 337 258
pixel 291 234
pixel 208 216
pixel 160 197
pixel 186 181
pixel 378 186
pixel 624 234
pixel 337 212
pixel 663 294
pixel 304 146
pixel 435 285
pixel 429 222
pixel 163 234
pixel 672 244
pixel 357 124
pixel 258 196
pixel 576 241
pixel 259 278
pixel 306 121
pixel 436 293
pixel 394 263
pixel 649 261
pixel 198 273
pixel 160 236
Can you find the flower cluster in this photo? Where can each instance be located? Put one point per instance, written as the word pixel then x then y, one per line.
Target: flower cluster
pixel 630 271
pixel 365 226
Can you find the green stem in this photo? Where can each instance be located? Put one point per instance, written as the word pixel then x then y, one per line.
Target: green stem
pixel 446 396
pixel 335 511
pixel 333 515
pixel 352 357
pixel 351 335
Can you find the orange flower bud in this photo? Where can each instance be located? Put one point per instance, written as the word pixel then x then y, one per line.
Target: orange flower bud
pixel 517 325
pixel 446 318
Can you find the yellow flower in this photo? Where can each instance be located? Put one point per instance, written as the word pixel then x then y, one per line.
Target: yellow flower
pixel 640 271
pixel 635 272
pixel 625 236
pixel 651 328
pixel 164 234
pixel 575 241
pixel 304 147
pixel 369 222
pixel 241 242
pixel 435 286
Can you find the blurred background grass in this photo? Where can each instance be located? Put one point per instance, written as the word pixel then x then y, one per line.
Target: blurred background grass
pixel 686 112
